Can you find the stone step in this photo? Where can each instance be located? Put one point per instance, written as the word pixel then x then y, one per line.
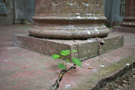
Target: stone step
pixel 111 66
pixel 86 48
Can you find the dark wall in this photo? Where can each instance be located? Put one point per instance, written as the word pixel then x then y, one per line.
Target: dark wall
pixel 6 12
pixel 1 0
pixel 24 10
pixel 112 10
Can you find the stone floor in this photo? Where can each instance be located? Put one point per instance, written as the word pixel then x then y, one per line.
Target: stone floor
pixel 125 82
pixel 21 69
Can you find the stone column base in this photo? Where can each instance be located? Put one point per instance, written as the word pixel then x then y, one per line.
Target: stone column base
pixel 86 48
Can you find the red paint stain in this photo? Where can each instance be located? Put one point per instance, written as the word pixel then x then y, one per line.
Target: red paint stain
pixel 19 85
pixel 29 65
pixel 25 67
pixel 46 64
pixel 11 63
pixel 0 86
pixel 28 74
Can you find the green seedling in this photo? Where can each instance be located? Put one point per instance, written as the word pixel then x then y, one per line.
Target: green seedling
pixel 63 55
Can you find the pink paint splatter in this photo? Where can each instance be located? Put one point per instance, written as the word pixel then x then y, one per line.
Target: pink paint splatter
pixel 14 64
pixel 28 74
pixel 29 65
pixel 0 86
pixel 19 85
pixel 46 64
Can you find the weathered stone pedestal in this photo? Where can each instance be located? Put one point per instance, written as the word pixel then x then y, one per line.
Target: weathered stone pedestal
pixel 86 48
pixel 69 24
pixel 128 24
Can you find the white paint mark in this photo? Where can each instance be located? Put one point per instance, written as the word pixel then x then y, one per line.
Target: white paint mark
pixel 67 86
pixel 11 47
pixel 5 60
pixel 94 70
pixel 78 14
pixel 96 30
pixel 102 66
pixel 91 40
pixel 71 4
pixel 88 14
pixel 95 17
pixel 70 18
pixel 128 64
pixel 78 17
pixel 71 26
pixel 84 57
pixel 56 4
pixel 86 4
pixel 87 64
pixel 88 32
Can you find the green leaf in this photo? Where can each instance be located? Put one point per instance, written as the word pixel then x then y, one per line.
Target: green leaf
pixel 77 61
pixel 55 56
pixel 75 51
pixel 65 52
pixel 67 60
pixel 61 66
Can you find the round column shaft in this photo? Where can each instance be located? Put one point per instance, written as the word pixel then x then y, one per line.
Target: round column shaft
pixel 69 19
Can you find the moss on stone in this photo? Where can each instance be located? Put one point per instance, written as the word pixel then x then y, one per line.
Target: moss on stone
pixel 109 71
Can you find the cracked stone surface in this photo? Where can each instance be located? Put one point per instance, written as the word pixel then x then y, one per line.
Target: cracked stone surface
pixel 22 69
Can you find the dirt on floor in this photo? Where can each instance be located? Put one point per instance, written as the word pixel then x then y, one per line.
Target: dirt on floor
pixel 125 82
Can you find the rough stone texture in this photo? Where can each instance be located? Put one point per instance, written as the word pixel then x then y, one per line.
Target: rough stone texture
pixel 70 7
pixel 123 82
pixel 86 48
pixel 69 19
pixel 22 69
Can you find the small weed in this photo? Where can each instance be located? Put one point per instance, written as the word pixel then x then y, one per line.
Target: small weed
pixel 63 55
